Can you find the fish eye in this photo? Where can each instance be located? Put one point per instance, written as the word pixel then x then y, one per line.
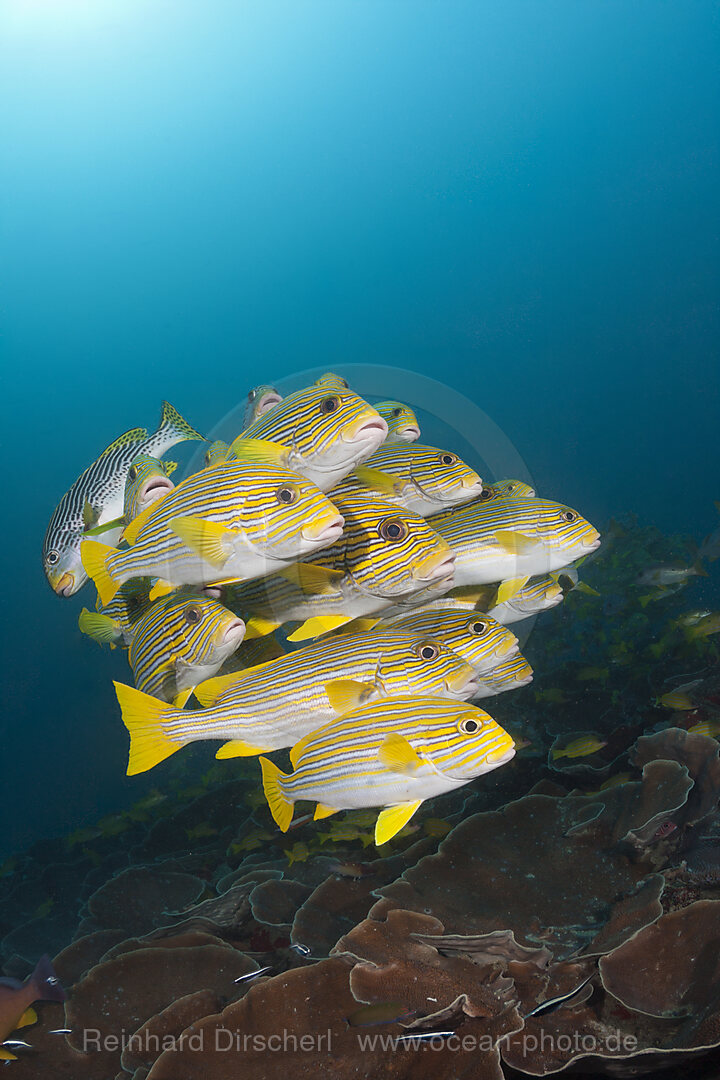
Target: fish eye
pixel 570 515
pixel 447 459
pixel 53 557
pixel 133 472
pixel 487 493
pixel 469 725
pixel 427 650
pixel 192 616
pixel 478 627
pixel 330 404
pixel 252 395
pixel 396 412
pixel 208 454
pixel 286 494
pixel 393 529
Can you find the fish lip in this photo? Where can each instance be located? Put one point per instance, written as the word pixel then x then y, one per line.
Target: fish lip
pixel 327 533
pixel 366 430
pixel 156 484
pixel 501 755
pixel 470 485
pixel 236 628
pixel 439 570
pixel 65 585
pixel 593 545
pixel 507 649
pixel 411 432
pixel 465 690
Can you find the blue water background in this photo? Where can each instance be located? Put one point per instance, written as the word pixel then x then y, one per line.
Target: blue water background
pixel 518 199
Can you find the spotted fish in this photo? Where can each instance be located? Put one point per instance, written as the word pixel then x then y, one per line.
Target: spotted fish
pixel 97 497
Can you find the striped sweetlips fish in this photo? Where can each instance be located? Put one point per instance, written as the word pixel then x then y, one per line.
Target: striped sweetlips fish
pixel 513 538
pixel 331 381
pixel 509 675
pixel 423 479
pixel 479 639
pixel 394 753
pixel 115 623
pixel 181 641
pixel 536 595
pixel 516 488
pixel 401 421
pixel 237 520
pixel 260 399
pixel 386 555
pixel 218 453
pixel 148 479
pixel 275 704
pixel 97 496
pixel 323 434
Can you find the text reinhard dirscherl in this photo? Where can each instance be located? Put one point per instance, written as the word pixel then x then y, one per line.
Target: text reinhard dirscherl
pixel 223 1040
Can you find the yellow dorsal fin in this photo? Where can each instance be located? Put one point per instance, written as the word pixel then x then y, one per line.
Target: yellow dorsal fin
pixel 180 700
pixel 208 539
pixel 27 1018
pixel 391 820
pixel 322 811
pixel 515 543
pixel 258 627
pixel 261 451
pixel 161 588
pixel 347 694
pixel 511 587
pixel 239 748
pixel 134 435
pixel 378 480
pixel 310 578
pixel 317 626
pixel 131 531
pixel 398 755
pixel 100 628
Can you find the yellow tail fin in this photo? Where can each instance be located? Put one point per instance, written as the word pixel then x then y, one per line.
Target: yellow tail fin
pixel 143 716
pixel 94 557
pixel 280 807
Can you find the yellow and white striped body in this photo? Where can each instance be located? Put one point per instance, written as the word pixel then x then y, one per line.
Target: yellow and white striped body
pixel 393 753
pixel 422 479
pixel 401 420
pixel 509 675
pixel 539 594
pixel 326 432
pixel 479 639
pixel 516 488
pixel 508 538
pixel 180 642
pixel 147 481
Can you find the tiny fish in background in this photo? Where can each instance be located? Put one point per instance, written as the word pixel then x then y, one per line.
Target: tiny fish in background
pixel 581 747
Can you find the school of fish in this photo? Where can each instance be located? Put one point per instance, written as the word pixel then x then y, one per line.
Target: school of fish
pixel 325 585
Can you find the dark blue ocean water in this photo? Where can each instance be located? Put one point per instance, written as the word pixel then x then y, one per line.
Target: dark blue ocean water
pixel 518 199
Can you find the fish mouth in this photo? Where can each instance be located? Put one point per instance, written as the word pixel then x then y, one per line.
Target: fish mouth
pixel 473 482
pixel 504 750
pixel 523 680
pixel 554 592
pixel 233 632
pixel 326 531
pixel 465 686
pixel 65 585
pixel 411 433
pixel 369 428
pixel 507 648
pixel 592 543
pixel 440 567
pixel 267 401
pixel 155 488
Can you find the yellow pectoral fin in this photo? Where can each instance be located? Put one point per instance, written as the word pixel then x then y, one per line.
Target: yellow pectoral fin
pixel 27 1018
pixel 391 820
pixel 312 579
pixel 261 451
pixel 398 755
pixel 238 748
pixel 160 588
pixel 257 627
pixel 511 587
pixel 317 626
pixel 347 694
pixel 377 480
pixel 515 543
pixel 89 515
pixel 322 811
pixel 208 539
pixel 582 587
pixel 131 531
pixel 100 628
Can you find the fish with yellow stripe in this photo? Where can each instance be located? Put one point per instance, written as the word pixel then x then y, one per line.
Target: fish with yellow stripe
pixel 321 434
pixel 513 601
pixel 331 381
pixel 272 706
pixel 97 496
pixel 393 754
pixel 260 400
pixel 479 639
pixel 516 488
pixel 114 624
pixel 237 520
pixel 510 674
pixel 423 479
pixel 148 480
pixel 386 555
pixel 218 453
pixel 401 420
pixel 180 642
pixel 511 538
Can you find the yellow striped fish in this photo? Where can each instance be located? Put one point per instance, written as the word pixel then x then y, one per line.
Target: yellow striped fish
pixel 96 498
pixel 516 488
pixel 332 382
pixel 524 598
pixel 148 480
pixel 386 555
pixel 512 538
pixel 275 704
pixel 114 624
pixel 509 675
pixel 180 642
pixel 237 520
pixel 479 639
pixel 423 479
pixel 392 754
pixel 401 421
pixel 218 453
pixel 260 400
pixel 323 434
